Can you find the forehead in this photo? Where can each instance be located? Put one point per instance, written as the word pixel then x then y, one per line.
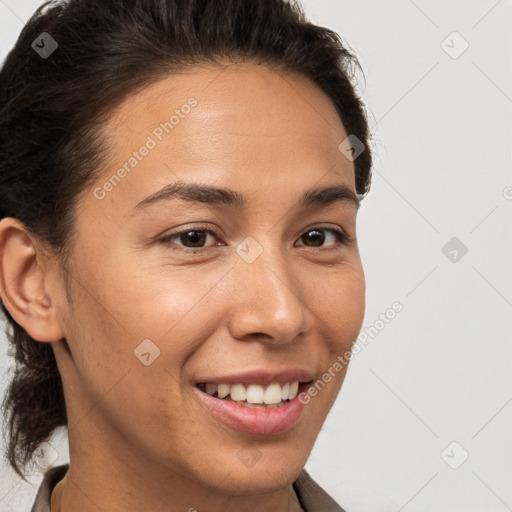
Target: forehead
pixel 248 123
pixel 269 97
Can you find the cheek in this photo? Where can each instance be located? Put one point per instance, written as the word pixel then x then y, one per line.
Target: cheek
pixel 110 319
pixel 341 310
pixel 136 302
pixel 340 303
pixel 351 308
pixel 154 316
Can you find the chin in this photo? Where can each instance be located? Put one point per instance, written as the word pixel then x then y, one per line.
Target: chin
pixel 257 480
pixel 257 470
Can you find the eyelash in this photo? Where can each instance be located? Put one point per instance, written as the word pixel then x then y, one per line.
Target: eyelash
pixel 343 239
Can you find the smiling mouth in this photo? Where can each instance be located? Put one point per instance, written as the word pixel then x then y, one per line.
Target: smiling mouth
pixel 254 395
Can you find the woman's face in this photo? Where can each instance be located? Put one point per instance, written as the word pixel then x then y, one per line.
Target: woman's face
pixel 260 293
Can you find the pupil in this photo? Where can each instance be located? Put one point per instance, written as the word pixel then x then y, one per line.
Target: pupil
pixel 196 239
pixel 319 237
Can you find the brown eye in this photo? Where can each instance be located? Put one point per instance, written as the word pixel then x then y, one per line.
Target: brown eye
pixel 188 239
pixel 317 237
pixel 196 238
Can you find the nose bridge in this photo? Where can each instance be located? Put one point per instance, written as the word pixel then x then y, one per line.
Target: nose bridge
pixel 268 299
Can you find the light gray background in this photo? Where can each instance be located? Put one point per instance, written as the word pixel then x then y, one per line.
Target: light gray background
pixel 440 371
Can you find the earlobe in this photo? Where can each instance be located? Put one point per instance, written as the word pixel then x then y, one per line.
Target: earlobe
pixel 22 283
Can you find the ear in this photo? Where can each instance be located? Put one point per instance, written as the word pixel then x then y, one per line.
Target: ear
pixel 22 283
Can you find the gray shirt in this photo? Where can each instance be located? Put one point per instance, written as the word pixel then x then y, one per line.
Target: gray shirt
pixel 311 496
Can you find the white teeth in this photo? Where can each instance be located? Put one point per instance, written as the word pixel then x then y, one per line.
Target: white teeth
pixel 273 394
pixel 224 390
pixel 255 394
pixel 285 391
pixel 238 392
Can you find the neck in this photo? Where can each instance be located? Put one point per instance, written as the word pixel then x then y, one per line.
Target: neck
pixel 56 498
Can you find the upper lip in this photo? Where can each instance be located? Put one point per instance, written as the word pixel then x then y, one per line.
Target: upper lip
pixel 261 377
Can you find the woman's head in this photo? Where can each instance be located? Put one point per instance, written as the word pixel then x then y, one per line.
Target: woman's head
pixel 124 136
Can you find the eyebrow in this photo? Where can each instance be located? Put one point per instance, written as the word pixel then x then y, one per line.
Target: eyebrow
pixel 198 193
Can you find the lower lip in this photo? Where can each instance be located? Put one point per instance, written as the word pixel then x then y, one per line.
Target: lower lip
pixel 256 420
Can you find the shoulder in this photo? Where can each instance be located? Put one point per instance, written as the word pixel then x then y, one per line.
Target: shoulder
pixel 312 497
pixel 50 480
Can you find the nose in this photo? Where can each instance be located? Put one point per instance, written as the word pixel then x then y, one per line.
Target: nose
pixel 268 302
